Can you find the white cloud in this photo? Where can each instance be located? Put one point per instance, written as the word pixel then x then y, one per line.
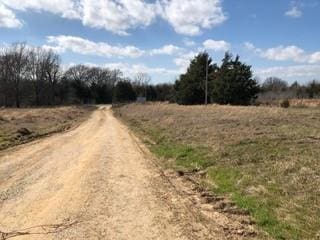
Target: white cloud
pixel 216 45
pixel 294 12
pixel 184 60
pixel 315 57
pixel 56 49
pixel 166 50
pixel 65 8
pixel 131 69
pixel 285 53
pixel 8 18
pixel 291 72
pixel 117 16
pixel 86 47
pixel 282 53
pixel 189 17
pixel 250 46
pixel 188 42
pixel 186 16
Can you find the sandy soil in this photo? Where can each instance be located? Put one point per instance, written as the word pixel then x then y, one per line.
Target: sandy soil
pixel 98 182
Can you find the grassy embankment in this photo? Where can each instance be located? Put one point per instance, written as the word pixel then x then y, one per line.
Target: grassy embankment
pixel 265 159
pixel 23 125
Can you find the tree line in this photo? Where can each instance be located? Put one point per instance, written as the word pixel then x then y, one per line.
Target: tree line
pixel 233 83
pixel 274 89
pixel 34 76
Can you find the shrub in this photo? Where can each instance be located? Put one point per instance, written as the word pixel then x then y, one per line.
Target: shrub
pixel 285 103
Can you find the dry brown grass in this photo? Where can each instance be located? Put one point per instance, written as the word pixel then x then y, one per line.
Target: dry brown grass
pixel 269 155
pixel 305 102
pixel 39 121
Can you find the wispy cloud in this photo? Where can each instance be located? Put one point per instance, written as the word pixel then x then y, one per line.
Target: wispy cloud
pixel 8 18
pixel 214 45
pixel 83 46
pixel 87 47
pixel 296 72
pixel 294 11
pixel 285 53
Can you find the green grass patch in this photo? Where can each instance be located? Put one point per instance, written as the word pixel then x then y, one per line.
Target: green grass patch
pixel 232 182
pixel 185 158
pixel 4 140
pixel 229 180
pixel 262 150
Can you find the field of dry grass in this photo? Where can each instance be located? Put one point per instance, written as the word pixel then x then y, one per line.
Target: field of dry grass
pixel 266 159
pixel 305 102
pixel 22 125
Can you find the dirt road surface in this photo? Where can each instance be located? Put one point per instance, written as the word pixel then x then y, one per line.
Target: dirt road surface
pixel 96 182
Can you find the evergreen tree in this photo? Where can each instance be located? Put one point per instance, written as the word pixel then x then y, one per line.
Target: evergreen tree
pixel 151 93
pixel 124 92
pixel 233 83
pixel 190 88
pixel 165 92
pixel 313 89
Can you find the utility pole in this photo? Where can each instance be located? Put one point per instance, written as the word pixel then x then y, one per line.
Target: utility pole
pixel 145 90
pixel 206 88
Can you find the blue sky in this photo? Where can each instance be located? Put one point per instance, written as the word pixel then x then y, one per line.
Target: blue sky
pixel 277 37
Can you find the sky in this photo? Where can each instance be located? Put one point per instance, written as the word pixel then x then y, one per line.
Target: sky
pixel 276 37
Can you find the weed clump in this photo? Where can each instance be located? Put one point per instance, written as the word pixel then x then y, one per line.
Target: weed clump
pixel 285 103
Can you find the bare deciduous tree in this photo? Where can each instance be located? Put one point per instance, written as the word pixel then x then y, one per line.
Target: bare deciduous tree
pixel 5 76
pixel 141 81
pixel 18 68
pixel 37 66
pixel 52 73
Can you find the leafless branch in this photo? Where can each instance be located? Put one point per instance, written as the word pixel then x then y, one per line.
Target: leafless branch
pixel 38 230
